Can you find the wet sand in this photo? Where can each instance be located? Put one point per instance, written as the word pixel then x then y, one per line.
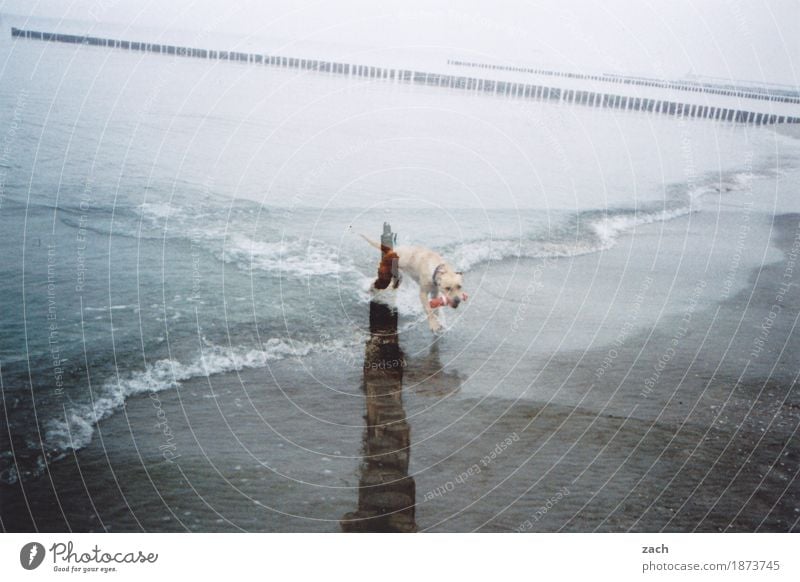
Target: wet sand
pixel 631 390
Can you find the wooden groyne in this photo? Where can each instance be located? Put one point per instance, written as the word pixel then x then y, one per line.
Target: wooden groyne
pixel 386 492
pixel 502 88
pixel 766 94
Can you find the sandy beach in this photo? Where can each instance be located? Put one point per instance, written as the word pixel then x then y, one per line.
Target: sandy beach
pixel 660 396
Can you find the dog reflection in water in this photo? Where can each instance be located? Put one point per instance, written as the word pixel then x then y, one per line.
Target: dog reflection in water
pixel 427 376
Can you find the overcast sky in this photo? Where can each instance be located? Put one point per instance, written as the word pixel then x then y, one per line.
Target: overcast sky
pixel 753 40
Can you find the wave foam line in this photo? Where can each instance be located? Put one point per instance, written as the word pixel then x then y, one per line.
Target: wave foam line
pixel 599 233
pixel 76 429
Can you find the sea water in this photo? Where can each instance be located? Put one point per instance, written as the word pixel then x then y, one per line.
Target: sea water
pixel 165 218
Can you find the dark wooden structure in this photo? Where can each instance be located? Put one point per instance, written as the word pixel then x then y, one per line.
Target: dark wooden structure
pixel 386 494
pixel 462 83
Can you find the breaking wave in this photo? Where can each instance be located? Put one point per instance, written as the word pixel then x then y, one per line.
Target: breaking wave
pixel 76 428
pixel 591 232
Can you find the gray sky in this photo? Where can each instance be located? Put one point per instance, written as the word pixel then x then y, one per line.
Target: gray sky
pixel 754 40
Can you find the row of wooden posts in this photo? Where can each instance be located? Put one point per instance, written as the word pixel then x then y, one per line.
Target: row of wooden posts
pixel 456 82
pixel 774 95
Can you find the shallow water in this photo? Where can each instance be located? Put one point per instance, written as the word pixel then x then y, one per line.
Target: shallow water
pixel 164 220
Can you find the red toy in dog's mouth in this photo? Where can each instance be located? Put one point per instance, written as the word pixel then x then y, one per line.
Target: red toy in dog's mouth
pixel 444 300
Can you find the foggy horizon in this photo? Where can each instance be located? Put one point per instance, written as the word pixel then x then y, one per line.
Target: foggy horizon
pixel 710 40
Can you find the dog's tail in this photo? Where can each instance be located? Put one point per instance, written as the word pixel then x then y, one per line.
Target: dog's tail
pixel 381 247
pixel 374 243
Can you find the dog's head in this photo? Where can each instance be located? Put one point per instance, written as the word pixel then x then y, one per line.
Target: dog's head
pixel 450 283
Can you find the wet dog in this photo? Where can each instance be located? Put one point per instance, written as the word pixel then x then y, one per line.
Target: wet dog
pixel 430 271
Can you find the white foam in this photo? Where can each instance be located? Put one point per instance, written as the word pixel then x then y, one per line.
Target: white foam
pixel 609 228
pixel 474 253
pixel 604 233
pixel 76 428
pixel 470 254
pixel 156 211
pixel 288 257
pixel 606 229
pixel 112 308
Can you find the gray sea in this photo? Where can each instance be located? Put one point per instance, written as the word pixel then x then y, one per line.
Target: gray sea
pixel 169 223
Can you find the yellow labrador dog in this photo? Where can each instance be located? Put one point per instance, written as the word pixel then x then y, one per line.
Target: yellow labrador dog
pixel 433 275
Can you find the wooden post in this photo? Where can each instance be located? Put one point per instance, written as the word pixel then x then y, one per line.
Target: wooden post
pixel 386 493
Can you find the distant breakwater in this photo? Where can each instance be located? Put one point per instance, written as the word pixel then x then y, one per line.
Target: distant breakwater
pixel 501 88
pixel 761 94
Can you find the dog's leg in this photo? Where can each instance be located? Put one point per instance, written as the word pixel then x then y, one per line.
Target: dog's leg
pixel 433 320
pixel 396 270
